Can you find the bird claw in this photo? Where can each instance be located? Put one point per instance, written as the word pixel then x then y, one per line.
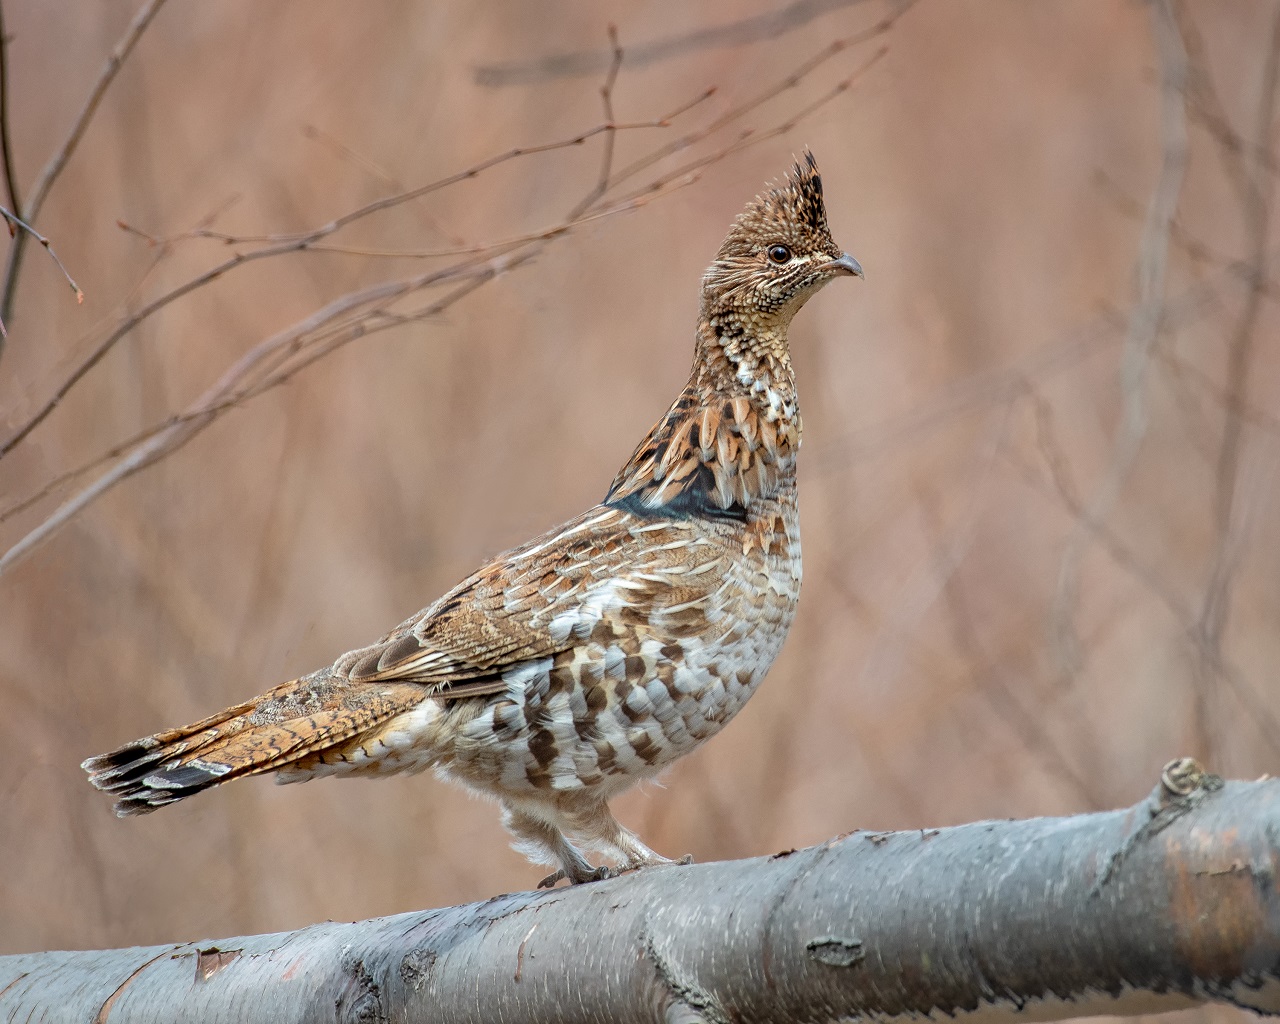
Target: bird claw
pixel 595 875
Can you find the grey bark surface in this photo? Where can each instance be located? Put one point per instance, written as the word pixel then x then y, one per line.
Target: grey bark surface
pixel 1163 905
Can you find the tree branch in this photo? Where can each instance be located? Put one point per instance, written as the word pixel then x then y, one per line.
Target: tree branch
pixel 1144 327
pixel 6 147
pixel 1160 906
pixel 754 29
pixel 115 61
pixel 367 311
pixel 1256 190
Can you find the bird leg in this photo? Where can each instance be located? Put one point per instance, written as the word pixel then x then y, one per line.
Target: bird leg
pixel 542 842
pixel 591 823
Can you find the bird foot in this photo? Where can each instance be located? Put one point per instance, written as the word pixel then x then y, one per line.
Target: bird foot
pixel 578 877
pixel 640 865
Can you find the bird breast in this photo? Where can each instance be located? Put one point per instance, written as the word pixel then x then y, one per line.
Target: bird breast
pixel 657 659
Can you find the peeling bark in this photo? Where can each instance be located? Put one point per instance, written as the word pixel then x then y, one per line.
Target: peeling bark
pixel 1164 905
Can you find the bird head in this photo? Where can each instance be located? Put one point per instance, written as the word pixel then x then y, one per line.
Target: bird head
pixel 778 253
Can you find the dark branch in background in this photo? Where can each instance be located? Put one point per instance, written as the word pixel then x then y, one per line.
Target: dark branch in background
pixel 1063 489
pixel 276 245
pixel 368 311
pixel 736 33
pixel 1022 378
pixel 1164 905
pixel 1144 328
pixel 17 224
pixel 1249 171
pixel 1255 185
pixel 40 191
pixel 6 147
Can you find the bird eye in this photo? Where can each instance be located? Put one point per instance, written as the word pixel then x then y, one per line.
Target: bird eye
pixel 779 253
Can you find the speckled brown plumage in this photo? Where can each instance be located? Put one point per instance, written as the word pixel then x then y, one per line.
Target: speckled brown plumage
pixel 568 669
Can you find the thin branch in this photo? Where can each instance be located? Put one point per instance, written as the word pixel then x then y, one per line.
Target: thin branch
pixel 175 436
pixel 6 146
pixel 1062 489
pixel 282 245
pixel 790 81
pixel 356 315
pixel 1247 411
pixel 479 249
pixel 201 411
pixel 290 243
pixel 389 181
pixel 1144 327
pixel 21 225
pixel 749 136
pixel 58 161
pixel 1256 191
pixel 738 33
pixel 606 99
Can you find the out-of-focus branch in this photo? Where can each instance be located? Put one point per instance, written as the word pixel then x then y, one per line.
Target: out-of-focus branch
pixel 992 387
pixel 279 245
pixel 6 147
pixel 17 224
pixel 231 389
pixel 986 673
pixel 1150 577
pixel 369 311
pixel 276 245
pixel 40 191
pixel 1144 326
pixel 1160 906
pixel 769 25
pixel 1256 189
pixel 1248 412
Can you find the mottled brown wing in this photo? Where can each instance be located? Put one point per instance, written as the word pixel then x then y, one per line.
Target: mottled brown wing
pixel 501 615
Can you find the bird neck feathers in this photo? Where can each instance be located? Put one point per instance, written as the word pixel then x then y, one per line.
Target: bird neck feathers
pixel 729 440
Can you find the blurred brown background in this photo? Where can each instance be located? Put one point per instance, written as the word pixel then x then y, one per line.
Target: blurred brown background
pixel 1040 468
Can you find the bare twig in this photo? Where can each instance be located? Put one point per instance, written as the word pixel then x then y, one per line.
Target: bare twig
pixel 1149 576
pixel 389 181
pixel 989 678
pixel 736 113
pixel 356 315
pixel 6 147
pixel 1248 412
pixel 40 191
pixel 21 225
pixel 1256 191
pixel 203 412
pixel 278 245
pixel 737 33
pixel 606 99
pixel 1144 326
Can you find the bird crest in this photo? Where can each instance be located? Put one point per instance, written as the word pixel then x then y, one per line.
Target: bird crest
pixel 777 253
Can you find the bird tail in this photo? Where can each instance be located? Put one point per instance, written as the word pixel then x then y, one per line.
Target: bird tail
pixel 299 721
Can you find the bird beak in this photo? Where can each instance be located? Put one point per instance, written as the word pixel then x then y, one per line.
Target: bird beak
pixel 846 264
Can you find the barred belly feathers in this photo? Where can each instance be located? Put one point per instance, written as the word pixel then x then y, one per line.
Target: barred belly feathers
pixel 568 669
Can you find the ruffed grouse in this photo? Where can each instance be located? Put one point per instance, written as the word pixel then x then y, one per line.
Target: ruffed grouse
pixel 570 668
